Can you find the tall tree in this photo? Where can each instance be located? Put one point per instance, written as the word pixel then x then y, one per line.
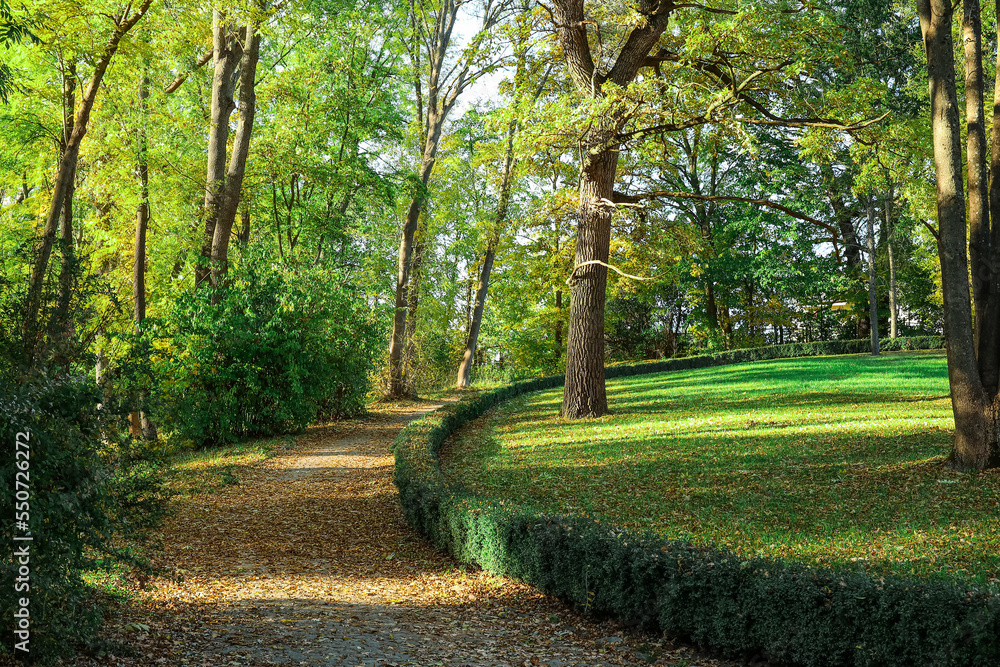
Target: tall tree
pixel 439 78
pixel 232 51
pixel 521 44
pixel 747 64
pixel 122 22
pixel 584 394
pixel 973 343
pixel 872 287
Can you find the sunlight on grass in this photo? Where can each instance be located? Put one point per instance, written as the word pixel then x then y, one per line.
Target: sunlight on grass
pixel 831 460
pixel 207 470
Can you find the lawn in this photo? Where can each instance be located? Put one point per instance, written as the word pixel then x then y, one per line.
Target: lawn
pixel 825 460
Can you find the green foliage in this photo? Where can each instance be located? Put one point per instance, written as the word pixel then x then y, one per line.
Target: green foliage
pixel 271 356
pixel 818 617
pixel 94 493
pixel 13 30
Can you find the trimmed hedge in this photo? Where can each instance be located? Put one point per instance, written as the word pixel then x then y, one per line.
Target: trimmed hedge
pixel 802 615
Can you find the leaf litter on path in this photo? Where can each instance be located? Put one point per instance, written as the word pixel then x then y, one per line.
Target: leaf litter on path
pixel 309 561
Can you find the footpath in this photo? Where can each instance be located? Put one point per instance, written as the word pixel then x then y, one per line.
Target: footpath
pixel 309 561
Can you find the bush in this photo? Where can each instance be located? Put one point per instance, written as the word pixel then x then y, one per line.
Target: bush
pixel 91 498
pixel 818 617
pixel 270 356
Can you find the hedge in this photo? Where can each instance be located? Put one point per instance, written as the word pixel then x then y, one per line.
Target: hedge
pixel 797 614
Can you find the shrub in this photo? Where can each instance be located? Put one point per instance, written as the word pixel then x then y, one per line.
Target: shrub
pixel 819 617
pixel 91 498
pixel 269 357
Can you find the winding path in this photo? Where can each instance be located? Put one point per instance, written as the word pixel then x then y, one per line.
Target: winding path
pixel 309 561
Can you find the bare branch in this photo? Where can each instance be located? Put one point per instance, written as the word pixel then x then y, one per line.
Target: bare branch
pixel 572 277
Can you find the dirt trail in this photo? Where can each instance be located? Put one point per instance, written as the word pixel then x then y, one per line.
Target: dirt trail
pixel 309 561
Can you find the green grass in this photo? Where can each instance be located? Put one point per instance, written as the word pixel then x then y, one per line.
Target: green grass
pixel 829 460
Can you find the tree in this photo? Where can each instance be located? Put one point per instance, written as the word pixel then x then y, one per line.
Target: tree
pixel 584 394
pixel 973 343
pixel 634 81
pixel 231 49
pixel 521 45
pixel 439 78
pixel 123 22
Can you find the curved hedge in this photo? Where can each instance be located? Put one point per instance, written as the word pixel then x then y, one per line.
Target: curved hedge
pixel 797 614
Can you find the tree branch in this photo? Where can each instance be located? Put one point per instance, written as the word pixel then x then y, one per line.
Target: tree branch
pixel 620 198
pixel 181 78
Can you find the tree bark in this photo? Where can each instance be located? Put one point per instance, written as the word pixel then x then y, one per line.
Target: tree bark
pixel 584 393
pixel 989 354
pixel 410 328
pixel 141 214
pixel 66 173
pixel 233 186
pixel 432 136
pixel 482 289
pixel 465 368
pixel 558 336
pixel 872 287
pixel 63 324
pixel 893 305
pixel 244 234
pixel 975 445
pixel 978 204
pixel 225 49
pixel 398 341
pixel 145 423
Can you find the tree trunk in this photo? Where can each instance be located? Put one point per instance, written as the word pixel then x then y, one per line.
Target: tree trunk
pixel 410 328
pixel 711 309
pixel 584 394
pixel 141 214
pixel 233 187
pixel 872 287
pixel 989 354
pixel 482 288
pixel 225 49
pixel 244 235
pixel 66 174
pixel 146 426
pixel 893 305
pixel 446 79
pixel 63 324
pixel 845 223
pixel 978 206
pixel 398 342
pixel 465 368
pixel 559 326
pixel 975 408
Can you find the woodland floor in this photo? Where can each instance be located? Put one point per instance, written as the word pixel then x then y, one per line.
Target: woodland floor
pixel 309 561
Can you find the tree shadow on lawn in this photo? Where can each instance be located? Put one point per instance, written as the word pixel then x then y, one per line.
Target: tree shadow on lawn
pixel 777 377
pixel 882 501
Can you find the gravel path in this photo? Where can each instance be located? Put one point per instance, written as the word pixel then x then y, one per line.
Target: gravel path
pixel 309 561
